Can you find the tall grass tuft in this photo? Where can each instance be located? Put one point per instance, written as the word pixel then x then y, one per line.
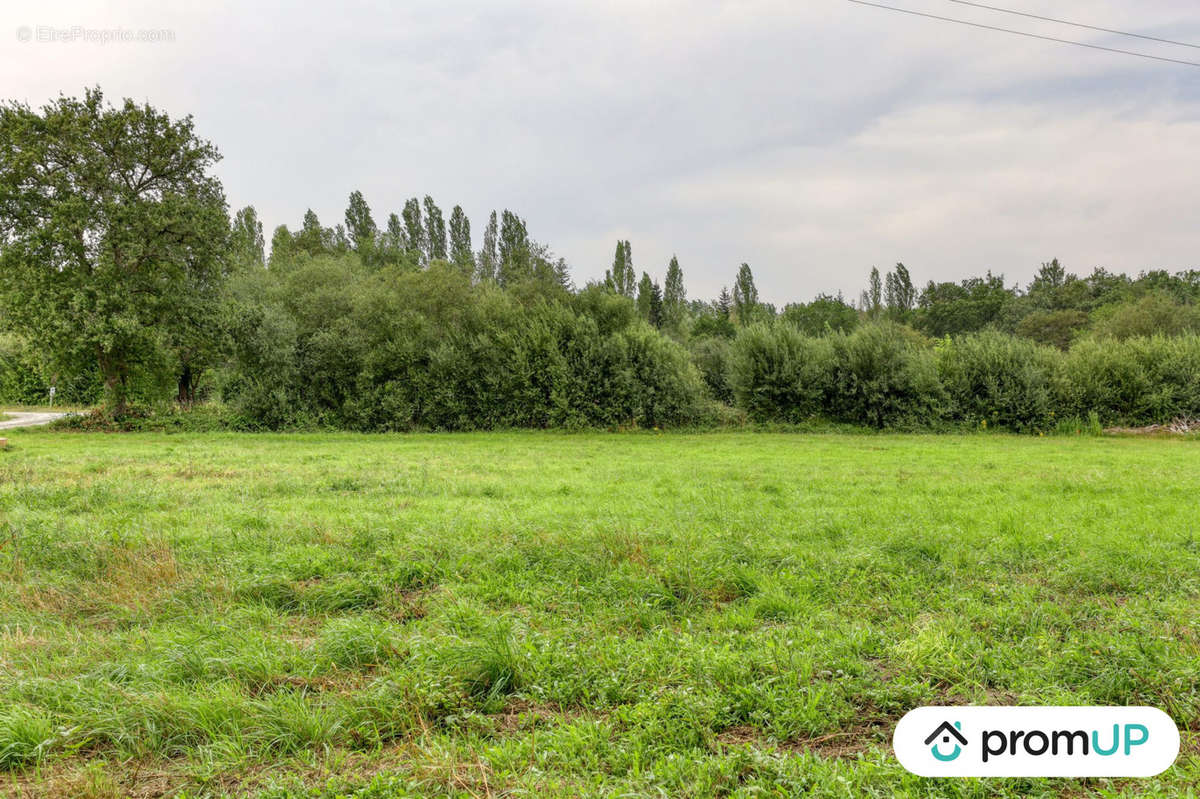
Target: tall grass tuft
pixel 490 667
pixel 25 737
pixel 355 643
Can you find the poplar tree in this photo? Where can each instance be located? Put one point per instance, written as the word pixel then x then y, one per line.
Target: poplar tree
pixel 312 238
pixel 246 242
pixel 745 295
pixel 435 231
pixel 616 273
pixel 906 293
pixel 674 295
pixel 395 240
pixel 414 230
pixel 489 256
pixel 514 250
pixel 899 294
pixel 874 293
pixel 645 288
pixel 460 241
pixel 622 279
pixel 360 226
pixel 283 247
pixel 630 275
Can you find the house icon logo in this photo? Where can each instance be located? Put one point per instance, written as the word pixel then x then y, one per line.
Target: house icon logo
pixel 946 731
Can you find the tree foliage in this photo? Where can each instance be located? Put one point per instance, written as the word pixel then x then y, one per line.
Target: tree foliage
pixel 114 232
pixel 435 231
pixel 360 227
pixel 489 255
pixel 120 264
pixel 745 296
pixel 330 342
pixel 414 231
pixel 246 250
pixel 460 241
pixel 621 278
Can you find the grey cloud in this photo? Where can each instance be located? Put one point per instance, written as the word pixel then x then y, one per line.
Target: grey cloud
pixel 811 139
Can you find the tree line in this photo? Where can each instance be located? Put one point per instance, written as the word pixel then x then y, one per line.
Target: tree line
pixel 125 281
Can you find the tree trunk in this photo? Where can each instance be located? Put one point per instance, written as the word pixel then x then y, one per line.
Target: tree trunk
pixel 114 384
pixel 187 388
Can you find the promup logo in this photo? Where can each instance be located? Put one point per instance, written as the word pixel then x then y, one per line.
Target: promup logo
pixel 946 731
pixel 1036 741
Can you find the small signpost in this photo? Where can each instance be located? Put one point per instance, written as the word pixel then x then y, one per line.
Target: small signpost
pixel 53 391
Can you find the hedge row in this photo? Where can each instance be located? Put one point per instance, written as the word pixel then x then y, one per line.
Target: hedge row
pixel 883 375
pixel 332 346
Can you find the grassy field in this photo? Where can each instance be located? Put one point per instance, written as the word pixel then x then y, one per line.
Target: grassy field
pixel 554 615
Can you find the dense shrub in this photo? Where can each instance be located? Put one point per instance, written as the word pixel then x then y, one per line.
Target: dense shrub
pixel 1138 381
pixel 881 375
pixel 884 375
pixel 999 380
pixel 778 374
pixel 711 356
pixel 333 344
pixel 262 389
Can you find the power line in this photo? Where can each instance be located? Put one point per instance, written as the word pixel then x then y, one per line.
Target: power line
pixel 1027 34
pixel 1075 24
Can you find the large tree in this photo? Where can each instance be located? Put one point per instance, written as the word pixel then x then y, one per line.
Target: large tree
pixel 111 227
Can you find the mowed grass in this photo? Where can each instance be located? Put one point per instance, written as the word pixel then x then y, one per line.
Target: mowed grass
pixel 576 615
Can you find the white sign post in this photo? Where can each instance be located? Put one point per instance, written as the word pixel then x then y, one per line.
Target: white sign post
pixel 53 390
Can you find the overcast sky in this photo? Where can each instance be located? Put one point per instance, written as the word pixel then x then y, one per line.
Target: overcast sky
pixel 810 138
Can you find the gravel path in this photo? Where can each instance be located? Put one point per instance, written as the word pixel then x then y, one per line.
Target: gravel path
pixel 24 419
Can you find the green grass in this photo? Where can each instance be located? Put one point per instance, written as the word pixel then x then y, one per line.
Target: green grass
pixel 566 615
